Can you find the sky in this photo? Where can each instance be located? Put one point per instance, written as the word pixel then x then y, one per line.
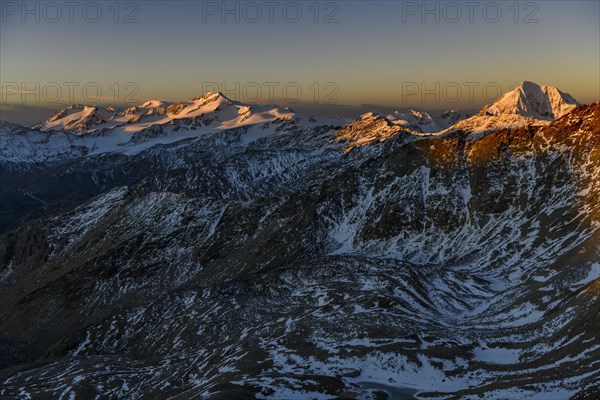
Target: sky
pixel 327 57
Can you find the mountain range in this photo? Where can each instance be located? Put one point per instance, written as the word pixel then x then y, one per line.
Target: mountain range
pixel 220 250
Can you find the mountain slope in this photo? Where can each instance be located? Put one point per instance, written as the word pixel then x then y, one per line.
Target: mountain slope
pixel 442 266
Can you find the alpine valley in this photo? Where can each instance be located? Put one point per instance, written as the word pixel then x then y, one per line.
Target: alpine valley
pixel 211 249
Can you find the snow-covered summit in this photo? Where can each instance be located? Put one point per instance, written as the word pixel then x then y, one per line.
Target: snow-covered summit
pixel 154 104
pixel 77 118
pixel 423 122
pixel 372 127
pixel 414 120
pixel 534 101
pixel 210 109
pixel 527 105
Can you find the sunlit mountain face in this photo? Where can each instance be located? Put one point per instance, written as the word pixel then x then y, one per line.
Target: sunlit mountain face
pixel 235 250
pixel 203 213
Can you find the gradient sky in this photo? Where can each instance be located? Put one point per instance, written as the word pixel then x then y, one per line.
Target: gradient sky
pixel 374 54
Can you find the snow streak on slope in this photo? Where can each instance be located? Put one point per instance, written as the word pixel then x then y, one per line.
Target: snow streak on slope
pixel 283 267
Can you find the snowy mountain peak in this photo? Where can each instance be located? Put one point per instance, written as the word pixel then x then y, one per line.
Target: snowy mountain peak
pixel 534 101
pixel 77 118
pixel 370 116
pixel 210 97
pixel 212 109
pixel 369 128
pixel 154 104
pixel 373 127
pixel 92 130
pixel 529 104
